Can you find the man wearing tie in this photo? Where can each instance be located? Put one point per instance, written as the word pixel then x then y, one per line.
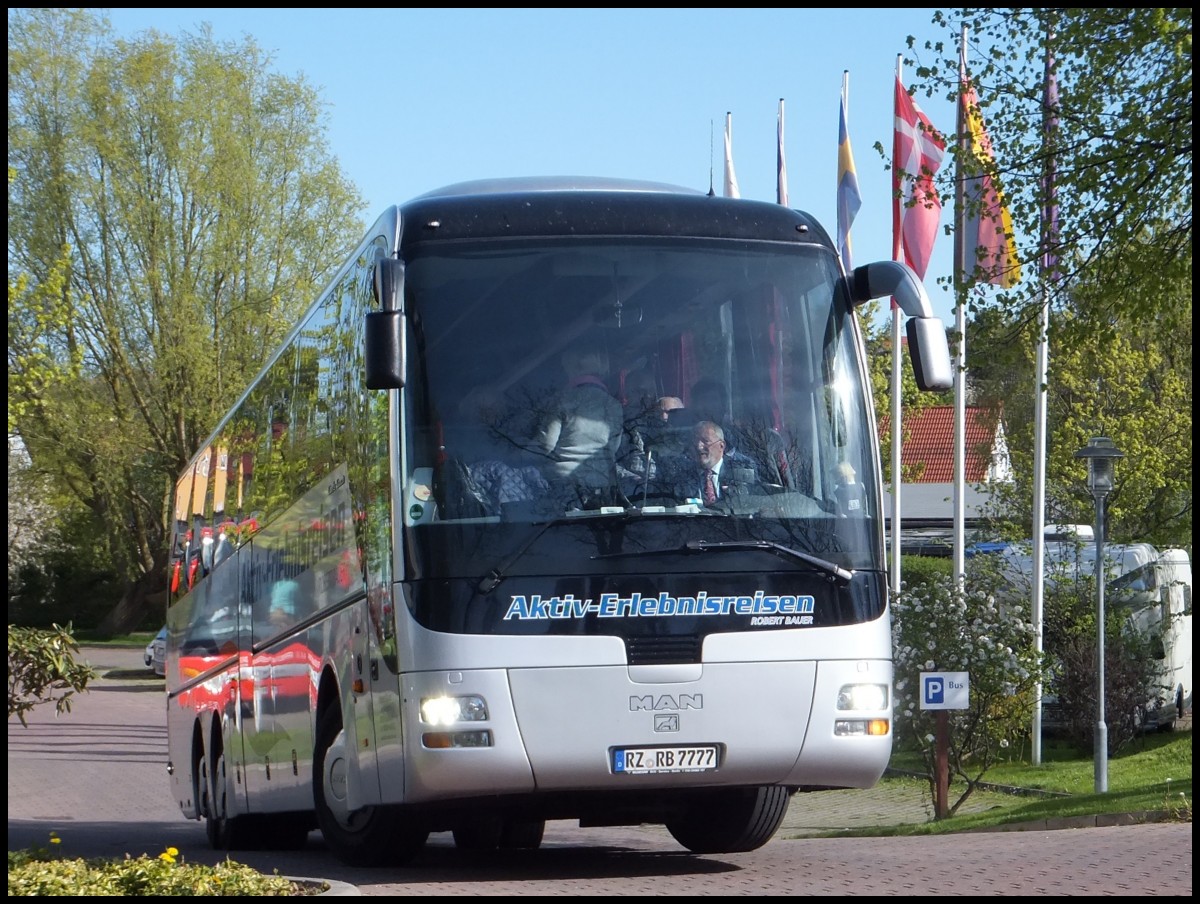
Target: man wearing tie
pixel 710 455
pixel 711 475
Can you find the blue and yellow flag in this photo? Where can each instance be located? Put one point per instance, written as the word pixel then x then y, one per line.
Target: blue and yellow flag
pixel 848 198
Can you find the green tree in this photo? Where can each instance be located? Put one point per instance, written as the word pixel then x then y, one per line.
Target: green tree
pixel 1119 146
pixel 1121 149
pixel 201 211
pixel 1131 382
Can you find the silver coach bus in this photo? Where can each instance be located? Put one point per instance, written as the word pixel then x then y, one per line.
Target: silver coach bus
pixel 455 561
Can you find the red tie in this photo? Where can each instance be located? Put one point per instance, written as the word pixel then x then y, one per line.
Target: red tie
pixel 710 489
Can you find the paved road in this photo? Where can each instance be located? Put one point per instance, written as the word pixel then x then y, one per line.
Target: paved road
pixel 97 778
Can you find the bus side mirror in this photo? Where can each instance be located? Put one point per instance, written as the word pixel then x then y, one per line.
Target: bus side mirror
pixel 930 354
pixel 385 328
pixel 384 351
pixel 928 347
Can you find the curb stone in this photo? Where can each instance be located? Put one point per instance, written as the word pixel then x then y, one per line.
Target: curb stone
pixel 1099 820
pixel 334 887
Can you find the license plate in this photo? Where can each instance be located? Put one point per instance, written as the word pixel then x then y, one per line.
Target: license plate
pixel 643 760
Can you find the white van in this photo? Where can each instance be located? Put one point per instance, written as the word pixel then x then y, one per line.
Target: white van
pixel 1170 613
pixel 1152 588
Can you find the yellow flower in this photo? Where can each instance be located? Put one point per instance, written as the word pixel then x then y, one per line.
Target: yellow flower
pixel 169 855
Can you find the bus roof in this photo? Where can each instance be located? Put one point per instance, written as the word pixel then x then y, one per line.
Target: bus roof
pixel 513 184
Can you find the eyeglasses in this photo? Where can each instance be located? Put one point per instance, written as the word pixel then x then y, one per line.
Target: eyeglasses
pixel 706 444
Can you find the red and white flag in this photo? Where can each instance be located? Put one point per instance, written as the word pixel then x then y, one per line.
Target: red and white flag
pixel 917 151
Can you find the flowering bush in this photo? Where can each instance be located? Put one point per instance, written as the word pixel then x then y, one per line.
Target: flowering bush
pixel 39 872
pixel 939 626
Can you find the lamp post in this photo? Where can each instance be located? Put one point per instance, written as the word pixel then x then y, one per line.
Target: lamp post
pixel 1101 455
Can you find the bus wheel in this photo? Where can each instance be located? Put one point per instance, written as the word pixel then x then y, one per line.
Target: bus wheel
pixel 478 832
pixel 371 836
pixel 225 832
pixel 524 834
pixel 730 821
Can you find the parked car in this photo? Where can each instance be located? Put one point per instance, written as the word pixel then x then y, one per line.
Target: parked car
pixel 155 655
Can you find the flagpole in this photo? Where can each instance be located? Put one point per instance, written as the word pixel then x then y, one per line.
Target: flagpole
pixel 1049 266
pixel 897 384
pixel 960 328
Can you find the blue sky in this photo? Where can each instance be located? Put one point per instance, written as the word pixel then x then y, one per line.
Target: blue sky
pixel 421 98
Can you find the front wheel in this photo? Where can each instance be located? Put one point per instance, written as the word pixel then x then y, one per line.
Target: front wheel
pixel 730 821
pixel 522 834
pixel 478 832
pixel 1176 715
pixel 370 836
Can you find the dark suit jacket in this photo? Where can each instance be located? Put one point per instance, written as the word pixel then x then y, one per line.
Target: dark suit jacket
pixel 738 476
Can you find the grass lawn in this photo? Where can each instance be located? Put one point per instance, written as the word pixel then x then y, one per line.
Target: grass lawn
pixel 1151 775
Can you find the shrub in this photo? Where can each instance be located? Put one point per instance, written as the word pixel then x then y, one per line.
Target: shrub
pixel 940 626
pixel 42 669
pixel 40 873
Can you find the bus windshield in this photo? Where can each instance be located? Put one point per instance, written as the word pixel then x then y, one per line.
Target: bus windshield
pixel 636 396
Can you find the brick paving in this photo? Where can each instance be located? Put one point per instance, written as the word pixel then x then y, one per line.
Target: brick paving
pixel 97 777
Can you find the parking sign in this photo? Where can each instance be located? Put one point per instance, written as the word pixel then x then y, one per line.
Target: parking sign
pixel 945 690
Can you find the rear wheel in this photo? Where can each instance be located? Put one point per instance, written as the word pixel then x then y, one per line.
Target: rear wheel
pixel 225 832
pixel 370 836
pixel 730 821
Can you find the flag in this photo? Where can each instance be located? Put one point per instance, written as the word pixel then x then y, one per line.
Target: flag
pixel 917 151
pixel 848 198
pixel 989 252
pixel 781 165
pixel 731 186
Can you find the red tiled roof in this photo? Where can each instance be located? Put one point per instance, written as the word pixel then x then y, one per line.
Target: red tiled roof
pixel 929 440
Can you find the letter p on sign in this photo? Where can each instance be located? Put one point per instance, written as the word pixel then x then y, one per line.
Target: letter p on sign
pixel 945 690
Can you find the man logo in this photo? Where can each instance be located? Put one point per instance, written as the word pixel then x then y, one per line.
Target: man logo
pixel 666 721
pixel 666 703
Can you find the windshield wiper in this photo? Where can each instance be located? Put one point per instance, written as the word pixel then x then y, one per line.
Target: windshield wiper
pixel 496 575
pixel 834 573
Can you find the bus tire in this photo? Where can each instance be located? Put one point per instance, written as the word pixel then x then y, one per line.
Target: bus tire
pixel 730 821
pixel 478 832
pixel 225 832
pixel 372 836
pixel 522 834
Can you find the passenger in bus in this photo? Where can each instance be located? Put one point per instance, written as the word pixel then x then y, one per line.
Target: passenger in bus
pixel 671 437
pixel 282 608
pixel 755 438
pixel 580 433
pixel 639 405
pixel 850 494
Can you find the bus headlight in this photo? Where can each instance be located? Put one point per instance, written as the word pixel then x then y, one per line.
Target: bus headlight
pixel 863 696
pixel 451 710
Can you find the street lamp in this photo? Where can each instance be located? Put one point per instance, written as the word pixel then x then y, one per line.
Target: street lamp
pixel 1101 457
